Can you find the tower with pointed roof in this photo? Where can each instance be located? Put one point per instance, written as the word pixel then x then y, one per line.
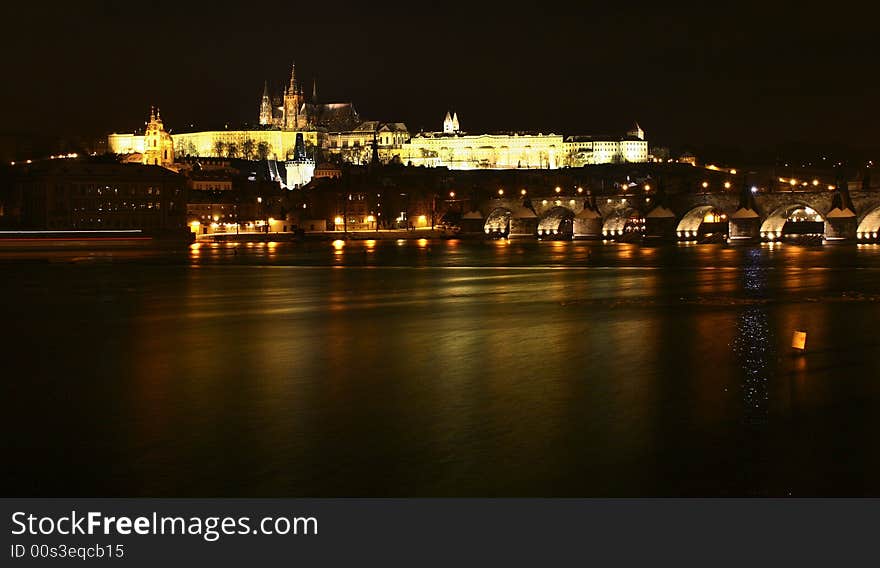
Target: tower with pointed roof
pixel 636 131
pixel 265 106
pixel 450 123
pixel 294 116
pixel 158 144
pixel 300 166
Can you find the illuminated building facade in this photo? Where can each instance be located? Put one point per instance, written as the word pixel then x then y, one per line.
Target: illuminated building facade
pixel 338 132
pixel 457 150
pixel 356 146
pixel 586 150
pixel 300 167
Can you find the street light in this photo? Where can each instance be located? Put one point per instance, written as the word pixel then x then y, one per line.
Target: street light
pixel 705 184
pixel 500 192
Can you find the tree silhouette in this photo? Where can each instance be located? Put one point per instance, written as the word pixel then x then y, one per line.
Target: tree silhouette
pixel 247 148
pixel 262 150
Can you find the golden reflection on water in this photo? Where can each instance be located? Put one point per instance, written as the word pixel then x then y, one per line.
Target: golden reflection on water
pixel 460 375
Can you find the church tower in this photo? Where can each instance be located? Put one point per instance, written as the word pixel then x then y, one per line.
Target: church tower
pixel 158 144
pixel 265 107
pixel 637 132
pixel 450 123
pixel 293 103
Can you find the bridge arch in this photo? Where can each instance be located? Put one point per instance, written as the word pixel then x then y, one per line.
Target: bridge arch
pixel 700 220
pixel 624 223
pixel 498 222
pixel 793 218
pixel 556 223
pixel 869 228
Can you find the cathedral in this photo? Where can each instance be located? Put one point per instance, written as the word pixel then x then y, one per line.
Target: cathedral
pixel 291 111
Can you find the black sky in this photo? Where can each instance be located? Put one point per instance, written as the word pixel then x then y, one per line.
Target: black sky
pixel 749 75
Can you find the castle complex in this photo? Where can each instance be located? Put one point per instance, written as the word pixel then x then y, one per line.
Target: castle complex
pixel 295 129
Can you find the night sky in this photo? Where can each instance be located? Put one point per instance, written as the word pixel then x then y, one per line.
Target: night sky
pixel 693 75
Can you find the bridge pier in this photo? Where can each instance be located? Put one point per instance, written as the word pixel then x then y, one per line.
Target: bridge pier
pixel 841 225
pixel 472 223
pixel 524 226
pixel 587 225
pixel 660 224
pixel 744 226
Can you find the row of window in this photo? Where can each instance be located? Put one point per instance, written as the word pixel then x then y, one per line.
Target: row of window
pixel 124 206
pixel 124 189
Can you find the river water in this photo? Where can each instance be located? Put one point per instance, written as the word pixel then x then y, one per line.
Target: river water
pixel 441 368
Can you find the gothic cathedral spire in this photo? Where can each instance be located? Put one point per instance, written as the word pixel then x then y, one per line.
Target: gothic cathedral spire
pixel 292 88
pixel 295 117
pixel 265 106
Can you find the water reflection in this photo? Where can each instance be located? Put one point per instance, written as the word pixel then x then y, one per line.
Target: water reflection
pixel 489 368
pixel 753 343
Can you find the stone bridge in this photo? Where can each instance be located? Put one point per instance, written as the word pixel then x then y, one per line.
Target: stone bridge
pixel 769 216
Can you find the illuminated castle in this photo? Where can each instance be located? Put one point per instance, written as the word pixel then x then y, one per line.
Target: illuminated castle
pixel 297 130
